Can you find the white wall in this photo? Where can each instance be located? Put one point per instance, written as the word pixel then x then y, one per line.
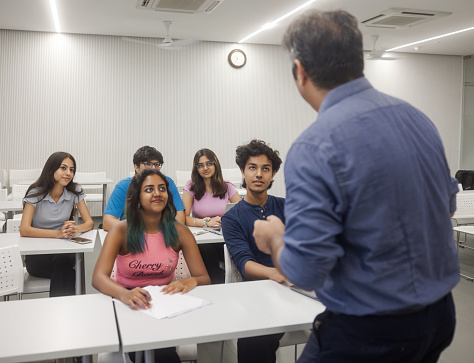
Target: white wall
pixel 100 98
pixel 467 145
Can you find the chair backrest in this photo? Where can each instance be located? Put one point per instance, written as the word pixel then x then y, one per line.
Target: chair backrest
pixel 182 270
pixel 232 274
pixel 234 176
pixel 229 206
pixel 3 195
pixel 19 191
pixel 13 225
pixel 30 175
pixel 11 270
pixel 132 174
pixel 464 205
pixel 182 178
pixel 84 177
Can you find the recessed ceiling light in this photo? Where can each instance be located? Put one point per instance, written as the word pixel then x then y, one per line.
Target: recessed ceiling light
pixel 432 38
pixel 54 11
pixel 273 23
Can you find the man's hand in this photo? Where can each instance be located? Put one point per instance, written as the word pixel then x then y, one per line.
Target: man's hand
pixel 268 234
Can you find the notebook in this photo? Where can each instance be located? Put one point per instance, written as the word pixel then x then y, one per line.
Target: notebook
pixel 216 230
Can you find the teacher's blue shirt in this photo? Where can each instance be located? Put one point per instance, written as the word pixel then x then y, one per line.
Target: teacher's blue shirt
pixel 368 203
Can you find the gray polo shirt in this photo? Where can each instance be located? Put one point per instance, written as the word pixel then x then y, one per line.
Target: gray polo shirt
pixel 49 214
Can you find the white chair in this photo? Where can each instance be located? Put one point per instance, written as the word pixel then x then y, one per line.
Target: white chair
pixel 235 177
pixel 11 271
pixel 3 197
pixel 232 274
pixel 19 191
pixel 32 284
pixel 29 175
pixel 94 192
pixel 464 215
pixel 182 178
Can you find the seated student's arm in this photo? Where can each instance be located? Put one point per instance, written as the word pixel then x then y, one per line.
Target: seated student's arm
pixel 235 198
pixel 199 275
pixel 256 271
pixel 188 201
pixel 178 204
pixel 86 217
pixel 114 243
pixel 27 230
pixel 109 221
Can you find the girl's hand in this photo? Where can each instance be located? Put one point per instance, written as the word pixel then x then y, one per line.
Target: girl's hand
pixel 214 222
pixel 69 229
pixel 137 298
pixel 182 286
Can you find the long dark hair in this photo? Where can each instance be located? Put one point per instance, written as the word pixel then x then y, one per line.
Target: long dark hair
pixel 219 187
pixel 135 227
pixel 45 182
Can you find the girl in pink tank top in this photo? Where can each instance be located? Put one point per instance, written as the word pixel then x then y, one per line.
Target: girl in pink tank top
pixel 145 248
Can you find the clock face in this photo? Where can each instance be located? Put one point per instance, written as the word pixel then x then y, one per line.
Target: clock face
pixel 237 58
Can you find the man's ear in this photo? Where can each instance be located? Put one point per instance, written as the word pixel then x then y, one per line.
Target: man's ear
pixel 137 168
pixel 301 76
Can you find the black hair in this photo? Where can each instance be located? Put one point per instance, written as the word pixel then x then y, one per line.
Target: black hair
pixel 147 153
pixel 328 45
pixel 256 148
pixel 46 182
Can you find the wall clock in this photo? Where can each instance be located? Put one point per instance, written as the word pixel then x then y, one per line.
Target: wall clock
pixel 237 58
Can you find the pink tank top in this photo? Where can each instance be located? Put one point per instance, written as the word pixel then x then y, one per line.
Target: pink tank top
pixel 154 267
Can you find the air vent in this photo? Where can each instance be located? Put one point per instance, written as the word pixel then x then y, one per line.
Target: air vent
pixel 180 6
pixel 402 18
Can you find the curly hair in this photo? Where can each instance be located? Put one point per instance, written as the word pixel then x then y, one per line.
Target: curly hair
pixel 256 148
pixel 135 227
pixel 219 187
pixel 147 153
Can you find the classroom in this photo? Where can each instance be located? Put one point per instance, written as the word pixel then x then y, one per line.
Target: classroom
pixel 97 90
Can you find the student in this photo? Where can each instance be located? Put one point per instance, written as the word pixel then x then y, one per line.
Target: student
pixel 145 157
pixel 151 235
pixel 47 209
pixel 368 204
pixel 206 196
pixel 258 164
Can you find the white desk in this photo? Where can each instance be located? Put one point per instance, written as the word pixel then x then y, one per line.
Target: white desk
pixel 204 238
pixel 237 310
pixel 466 230
pixel 11 206
pixel 43 246
pixel 59 327
pixel 102 182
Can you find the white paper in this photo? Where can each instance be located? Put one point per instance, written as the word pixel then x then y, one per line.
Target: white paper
pixel 168 306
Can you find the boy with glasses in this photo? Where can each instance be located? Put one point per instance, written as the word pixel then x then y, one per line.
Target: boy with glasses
pixel 145 157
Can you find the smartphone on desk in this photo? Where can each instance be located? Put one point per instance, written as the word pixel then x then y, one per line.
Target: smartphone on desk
pixel 80 240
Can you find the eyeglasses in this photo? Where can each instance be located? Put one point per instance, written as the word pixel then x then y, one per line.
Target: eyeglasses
pixel 149 165
pixel 207 163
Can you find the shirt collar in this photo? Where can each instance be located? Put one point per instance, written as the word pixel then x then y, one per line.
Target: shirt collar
pixel 67 195
pixel 343 91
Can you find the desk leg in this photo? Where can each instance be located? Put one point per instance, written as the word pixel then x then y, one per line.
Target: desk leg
pixel 104 195
pixel 80 283
pixel 149 356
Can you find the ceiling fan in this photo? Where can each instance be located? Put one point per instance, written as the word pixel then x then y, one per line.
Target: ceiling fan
pixel 167 42
pixel 376 54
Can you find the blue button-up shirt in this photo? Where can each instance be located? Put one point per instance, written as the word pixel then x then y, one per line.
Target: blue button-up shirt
pixel 369 197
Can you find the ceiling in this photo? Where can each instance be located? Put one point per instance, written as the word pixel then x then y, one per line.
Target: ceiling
pixel 232 20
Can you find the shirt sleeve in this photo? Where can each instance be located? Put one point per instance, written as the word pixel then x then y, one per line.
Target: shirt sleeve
pixel 236 243
pixel 116 202
pixel 314 218
pixel 230 190
pixel 81 196
pixel 178 203
pixel 31 200
pixel 187 187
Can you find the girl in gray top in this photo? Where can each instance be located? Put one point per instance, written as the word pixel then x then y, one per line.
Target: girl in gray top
pixel 47 210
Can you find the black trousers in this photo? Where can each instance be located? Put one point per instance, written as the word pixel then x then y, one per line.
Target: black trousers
pixel 59 268
pixel 212 254
pixel 260 349
pixel 164 355
pixel 417 337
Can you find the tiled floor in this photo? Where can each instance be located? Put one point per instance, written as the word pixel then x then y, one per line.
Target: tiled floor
pixel 460 351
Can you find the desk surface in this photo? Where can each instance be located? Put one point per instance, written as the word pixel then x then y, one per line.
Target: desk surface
pixel 207 237
pixel 60 327
pixel 237 310
pixel 41 246
pixel 465 229
pixel 11 206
